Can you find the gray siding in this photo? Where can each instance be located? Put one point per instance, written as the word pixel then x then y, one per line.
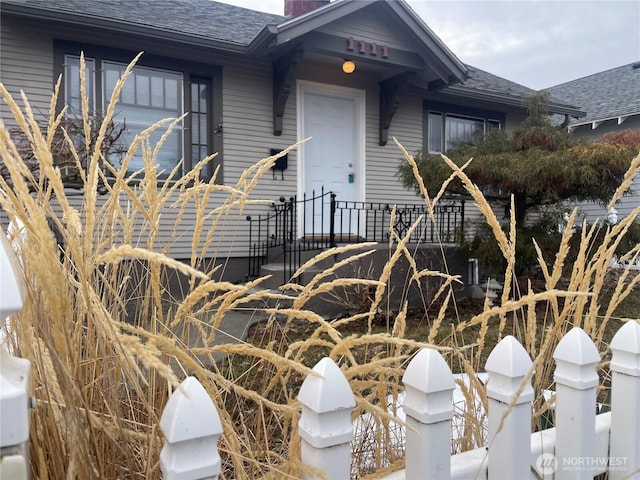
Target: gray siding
pixel 26 64
pixel 382 162
pixel 368 27
pixel 513 120
pixel 248 123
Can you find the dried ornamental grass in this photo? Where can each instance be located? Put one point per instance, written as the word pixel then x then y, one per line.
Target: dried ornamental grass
pixel 108 341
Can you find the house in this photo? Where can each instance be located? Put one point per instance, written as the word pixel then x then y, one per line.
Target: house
pixel 351 74
pixel 611 100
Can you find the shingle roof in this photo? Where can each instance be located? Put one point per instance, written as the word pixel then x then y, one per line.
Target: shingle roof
pixel 609 94
pixel 485 81
pixel 487 85
pixel 202 18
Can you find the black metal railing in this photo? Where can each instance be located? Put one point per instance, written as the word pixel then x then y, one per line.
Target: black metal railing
pixel 369 221
pixel 322 221
pixel 276 237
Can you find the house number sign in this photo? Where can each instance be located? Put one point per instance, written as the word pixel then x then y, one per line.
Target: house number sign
pixel 365 48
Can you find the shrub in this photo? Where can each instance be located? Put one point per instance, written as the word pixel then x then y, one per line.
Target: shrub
pixel 544 231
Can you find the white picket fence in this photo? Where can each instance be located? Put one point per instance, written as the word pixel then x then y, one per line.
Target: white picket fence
pixel 581 445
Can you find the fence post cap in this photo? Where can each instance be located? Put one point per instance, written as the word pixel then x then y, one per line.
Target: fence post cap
pixel 428 372
pixel 191 427
pixel 327 402
pixel 429 387
pixel 576 358
pixel 328 390
pixel 14 406
pixel 625 348
pixel 507 366
pixel 13 292
pixel 190 414
pixel 509 358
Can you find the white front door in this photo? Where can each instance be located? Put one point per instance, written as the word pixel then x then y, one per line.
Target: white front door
pixel 332 159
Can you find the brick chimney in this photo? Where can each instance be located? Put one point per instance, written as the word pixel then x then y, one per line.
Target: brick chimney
pixel 294 8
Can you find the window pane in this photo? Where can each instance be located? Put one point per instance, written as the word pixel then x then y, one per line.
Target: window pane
pixel 435 132
pixel 73 72
pixel 72 83
pixel 493 125
pixel 203 128
pixel 204 97
pixel 172 94
pixel 111 77
pixel 128 94
pixel 157 92
pixel 143 96
pixel 460 129
pixel 195 93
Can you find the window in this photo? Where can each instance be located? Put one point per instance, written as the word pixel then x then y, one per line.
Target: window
pixel 199 118
pixel 447 126
pixel 435 128
pixel 152 92
pixel 459 129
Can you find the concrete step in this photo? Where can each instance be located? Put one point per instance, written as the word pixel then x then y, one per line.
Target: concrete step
pixel 277 272
pixel 276 254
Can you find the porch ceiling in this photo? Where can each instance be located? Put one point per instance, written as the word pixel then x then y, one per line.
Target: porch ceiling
pixel 328 52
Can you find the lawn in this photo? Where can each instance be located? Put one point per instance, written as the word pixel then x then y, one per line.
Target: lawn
pixel 280 333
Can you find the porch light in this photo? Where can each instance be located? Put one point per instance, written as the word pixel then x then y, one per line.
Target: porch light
pixel 348 67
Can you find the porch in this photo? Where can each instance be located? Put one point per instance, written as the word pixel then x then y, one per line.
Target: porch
pixel 295 230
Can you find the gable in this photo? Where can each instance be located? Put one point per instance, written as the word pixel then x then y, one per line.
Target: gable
pixel 356 29
pixel 374 34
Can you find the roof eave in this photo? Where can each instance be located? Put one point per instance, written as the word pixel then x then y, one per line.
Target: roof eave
pixel 563 109
pixel 121 27
pixel 595 123
pixel 513 101
pixel 263 40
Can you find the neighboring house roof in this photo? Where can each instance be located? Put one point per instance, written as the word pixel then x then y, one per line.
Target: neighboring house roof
pixel 486 86
pixel 612 94
pixel 198 22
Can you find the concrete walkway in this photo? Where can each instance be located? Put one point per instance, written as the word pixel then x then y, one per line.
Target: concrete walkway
pixel 235 325
pixel 233 329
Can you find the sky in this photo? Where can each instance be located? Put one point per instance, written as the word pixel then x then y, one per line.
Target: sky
pixel 537 43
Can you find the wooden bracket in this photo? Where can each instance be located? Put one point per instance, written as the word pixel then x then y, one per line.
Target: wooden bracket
pixel 284 75
pixel 391 91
